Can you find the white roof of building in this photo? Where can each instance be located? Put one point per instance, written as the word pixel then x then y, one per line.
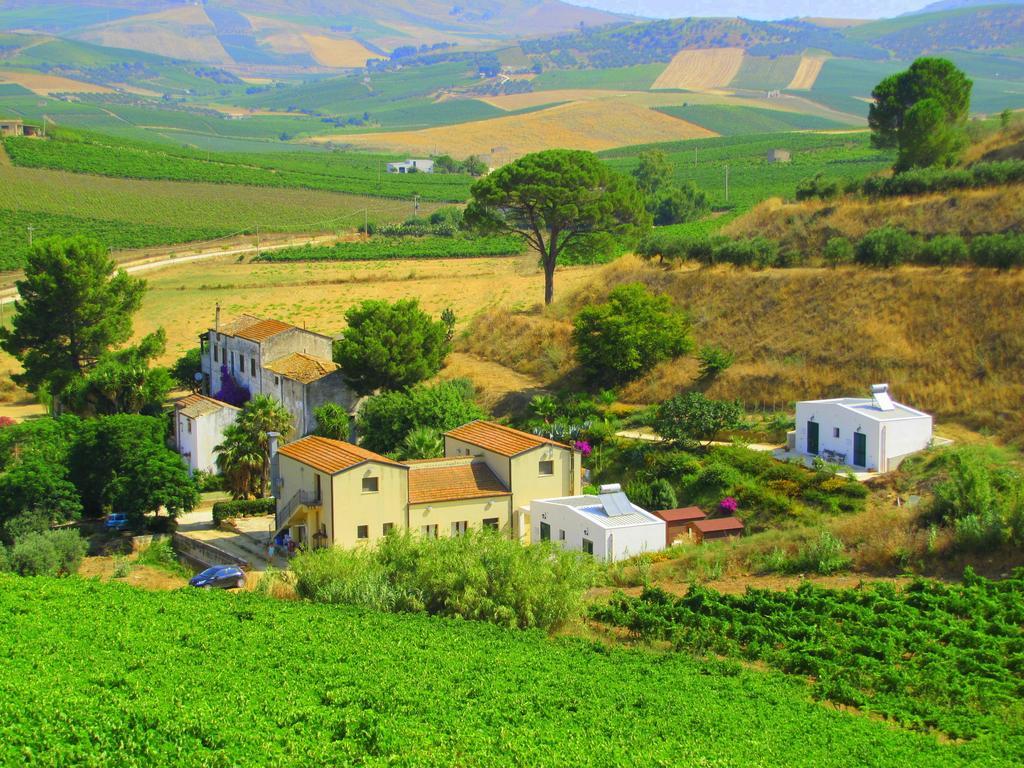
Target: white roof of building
pixel 868 407
pixel 594 509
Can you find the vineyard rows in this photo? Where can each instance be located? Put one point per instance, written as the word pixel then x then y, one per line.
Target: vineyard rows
pixel 107 675
pixel 326 171
pixel 932 657
pixel 401 248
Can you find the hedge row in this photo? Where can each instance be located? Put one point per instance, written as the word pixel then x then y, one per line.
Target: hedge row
pixel 223 510
pixel 926 180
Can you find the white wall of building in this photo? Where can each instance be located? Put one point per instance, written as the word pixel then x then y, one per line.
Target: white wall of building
pixel 886 440
pixel 198 437
pixel 610 543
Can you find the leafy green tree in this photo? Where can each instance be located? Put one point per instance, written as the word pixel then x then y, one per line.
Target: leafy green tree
pixel 123 381
pixel 48 440
pixel 185 368
pixel 887 247
pixel 922 112
pixel 122 463
pixel 152 479
pixel 99 450
pixel 679 204
pixel 694 418
pixel 245 451
pixel 386 419
pixel 559 202
pixel 331 421
pixel 838 250
pixel 390 346
pixel 625 336
pixel 74 307
pixel 653 173
pixel 713 361
pixel 35 494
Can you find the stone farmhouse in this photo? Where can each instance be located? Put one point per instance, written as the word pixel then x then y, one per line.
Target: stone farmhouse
pixel 333 493
pixel 270 357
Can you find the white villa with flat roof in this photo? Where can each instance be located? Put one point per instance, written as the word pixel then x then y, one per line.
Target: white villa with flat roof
pixel 607 525
pixel 870 433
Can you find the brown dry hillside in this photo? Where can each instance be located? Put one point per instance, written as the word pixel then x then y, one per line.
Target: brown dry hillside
pixel 948 341
pixel 806 227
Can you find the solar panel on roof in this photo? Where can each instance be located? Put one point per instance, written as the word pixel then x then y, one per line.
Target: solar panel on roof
pixel 880 396
pixel 616 504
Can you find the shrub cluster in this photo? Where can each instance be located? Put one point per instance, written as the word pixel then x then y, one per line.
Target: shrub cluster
pixel 50 553
pixel 223 510
pixel 924 180
pixel 481 576
pixel 891 246
pixel 757 252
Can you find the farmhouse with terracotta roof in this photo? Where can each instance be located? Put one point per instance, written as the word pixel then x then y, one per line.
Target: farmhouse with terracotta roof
pixel 333 493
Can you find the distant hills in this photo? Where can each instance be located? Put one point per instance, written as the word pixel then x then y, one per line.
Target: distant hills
pixel 294 33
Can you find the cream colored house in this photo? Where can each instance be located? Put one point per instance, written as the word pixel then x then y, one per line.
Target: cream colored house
pixel 332 493
pixel 199 424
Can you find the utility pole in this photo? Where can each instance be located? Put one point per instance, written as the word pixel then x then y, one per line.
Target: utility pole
pixel 727 183
pixel 257 241
pixel 416 204
pixel 30 228
pixel 366 222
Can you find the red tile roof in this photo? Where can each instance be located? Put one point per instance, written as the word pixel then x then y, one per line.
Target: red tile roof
pixel 683 514
pixel 263 330
pixel 498 438
pixel 302 368
pixel 330 456
pixel 719 524
pixel 200 405
pixel 450 481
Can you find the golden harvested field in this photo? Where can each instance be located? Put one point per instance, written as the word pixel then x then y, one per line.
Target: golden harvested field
pixel 181 299
pixel 335 52
pixel 806 73
pixel 518 101
pixel 44 85
pixel 590 125
pixel 185 32
pixel 700 70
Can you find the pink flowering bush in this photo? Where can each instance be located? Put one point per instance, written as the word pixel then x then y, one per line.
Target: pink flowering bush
pixel 728 505
pixel 583 447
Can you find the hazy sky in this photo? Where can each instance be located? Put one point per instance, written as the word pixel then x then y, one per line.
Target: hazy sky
pixel 759 9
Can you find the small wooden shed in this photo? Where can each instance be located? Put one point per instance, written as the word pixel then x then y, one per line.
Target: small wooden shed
pixel 718 528
pixel 676 521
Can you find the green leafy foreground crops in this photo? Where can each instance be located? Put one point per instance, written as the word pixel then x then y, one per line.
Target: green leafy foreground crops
pixel 104 675
pixel 934 656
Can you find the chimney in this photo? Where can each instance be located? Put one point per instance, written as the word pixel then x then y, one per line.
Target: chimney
pixel 273 439
pixel 216 319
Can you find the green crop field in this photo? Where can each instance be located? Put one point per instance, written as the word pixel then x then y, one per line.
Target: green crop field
pixel 761 73
pixel 636 78
pixel 948 658
pixel 380 249
pixel 363 174
pixel 105 675
pixel 126 213
pixel 729 120
pixel 752 178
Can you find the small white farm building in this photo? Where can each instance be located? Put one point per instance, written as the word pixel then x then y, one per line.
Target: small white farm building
pixel 412 166
pixel 873 433
pixel 199 424
pixel 608 525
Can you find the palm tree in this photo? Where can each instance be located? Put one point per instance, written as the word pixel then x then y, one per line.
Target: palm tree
pixel 244 456
pixel 239 462
pixel 422 443
pixel 259 416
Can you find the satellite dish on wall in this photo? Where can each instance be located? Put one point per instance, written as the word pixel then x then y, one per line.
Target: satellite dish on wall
pixel 198 376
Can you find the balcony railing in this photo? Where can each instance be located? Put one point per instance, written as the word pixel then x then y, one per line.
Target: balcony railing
pixel 300 499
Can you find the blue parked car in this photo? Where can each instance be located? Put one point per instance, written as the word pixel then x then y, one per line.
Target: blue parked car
pixel 116 521
pixel 219 577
